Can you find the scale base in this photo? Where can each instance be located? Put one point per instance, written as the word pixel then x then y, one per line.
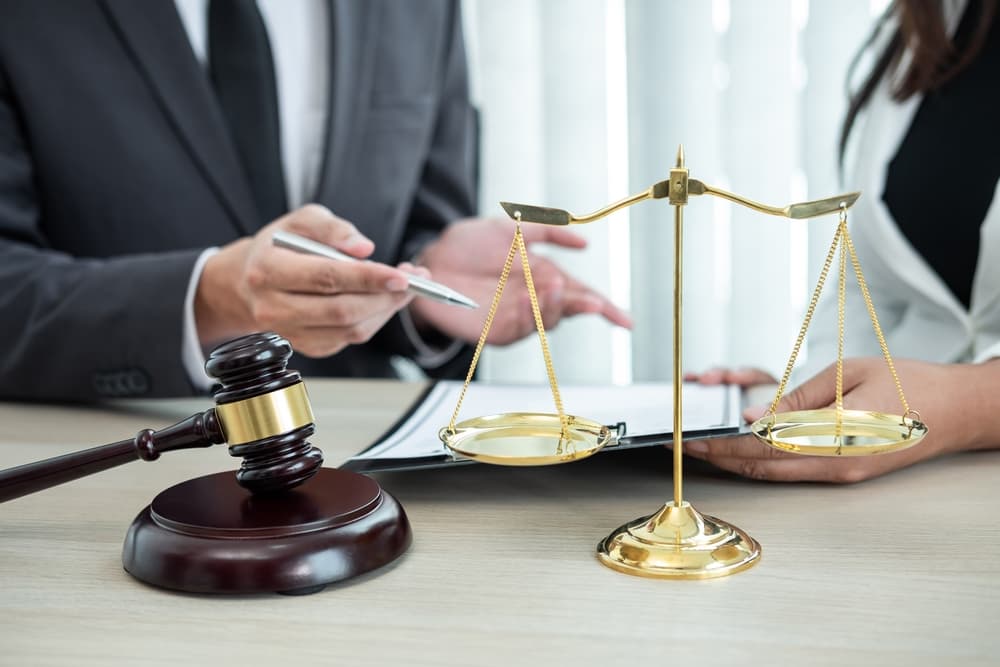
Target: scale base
pixel 210 535
pixel 678 542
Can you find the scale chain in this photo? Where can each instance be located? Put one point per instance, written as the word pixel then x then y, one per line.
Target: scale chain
pixel 827 263
pixel 875 325
pixel 498 292
pixel 842 241
pixel 517 246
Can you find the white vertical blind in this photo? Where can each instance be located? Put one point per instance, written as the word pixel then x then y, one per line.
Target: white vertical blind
pixel 542 83
pixel 673 56
pixel 586 101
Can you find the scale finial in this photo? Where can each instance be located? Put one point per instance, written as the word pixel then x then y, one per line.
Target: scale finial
pixel 680 155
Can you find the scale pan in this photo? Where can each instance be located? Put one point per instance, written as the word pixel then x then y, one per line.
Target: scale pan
pixel 526 438
pixel 814 432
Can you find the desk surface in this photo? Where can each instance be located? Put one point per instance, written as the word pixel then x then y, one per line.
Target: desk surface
pixel 502 568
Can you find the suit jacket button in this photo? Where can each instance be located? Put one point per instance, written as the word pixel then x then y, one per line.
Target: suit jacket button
pixel 136 382
pixel 100 383
pixel 116 387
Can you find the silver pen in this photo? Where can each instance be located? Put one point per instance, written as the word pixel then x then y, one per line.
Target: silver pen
pixel 418 285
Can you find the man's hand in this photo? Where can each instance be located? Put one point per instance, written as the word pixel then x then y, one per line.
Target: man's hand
pixel 319 305
pixel 469 257
pixel 958 402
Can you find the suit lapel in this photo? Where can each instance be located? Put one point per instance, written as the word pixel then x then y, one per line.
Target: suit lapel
pixel 890 121
pixel 153 34
pixel 352 41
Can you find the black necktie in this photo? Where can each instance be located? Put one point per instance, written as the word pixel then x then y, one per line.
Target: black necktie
pixel 242 72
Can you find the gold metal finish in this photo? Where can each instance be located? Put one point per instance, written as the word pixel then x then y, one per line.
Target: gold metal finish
pixel 265 416
pixel 678 194
pixel 557 216
pixel 832 432
pixel 838 432
pixel 678 198
pixel 678 543
pixel 526 438
pixel 799 211
pixel 522 438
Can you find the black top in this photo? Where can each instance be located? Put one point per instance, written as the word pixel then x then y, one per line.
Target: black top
pixel 941 182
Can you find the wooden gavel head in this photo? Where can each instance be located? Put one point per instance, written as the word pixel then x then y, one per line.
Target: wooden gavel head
pixel 264 413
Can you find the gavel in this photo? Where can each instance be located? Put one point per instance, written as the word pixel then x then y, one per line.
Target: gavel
pixel 262 411
pixel 284 524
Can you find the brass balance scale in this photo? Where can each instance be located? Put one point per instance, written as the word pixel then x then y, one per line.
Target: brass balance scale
pixel 678 541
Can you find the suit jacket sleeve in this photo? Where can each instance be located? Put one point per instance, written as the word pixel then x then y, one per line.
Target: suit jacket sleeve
pixel 448 185
pixel 74 328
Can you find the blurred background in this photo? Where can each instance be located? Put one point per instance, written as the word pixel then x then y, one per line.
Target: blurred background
pixel 584 102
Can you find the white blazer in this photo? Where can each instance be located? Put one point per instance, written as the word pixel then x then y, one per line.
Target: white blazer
pixel 920 316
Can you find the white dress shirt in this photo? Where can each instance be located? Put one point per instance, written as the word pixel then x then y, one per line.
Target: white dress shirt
pixel 299 33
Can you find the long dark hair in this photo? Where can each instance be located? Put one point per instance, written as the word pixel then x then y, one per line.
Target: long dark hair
pixel 936 56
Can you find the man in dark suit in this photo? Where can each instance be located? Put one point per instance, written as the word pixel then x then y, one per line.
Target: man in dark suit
pixel 144 163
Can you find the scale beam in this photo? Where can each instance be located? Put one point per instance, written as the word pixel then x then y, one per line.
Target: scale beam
pixel 798 211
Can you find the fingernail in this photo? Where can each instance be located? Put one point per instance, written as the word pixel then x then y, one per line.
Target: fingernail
pixel 755 412
pixel 397 284
pixel 357 239
pixel 696 447
pixel 554 298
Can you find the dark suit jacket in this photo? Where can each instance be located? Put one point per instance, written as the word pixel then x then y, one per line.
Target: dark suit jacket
pixel 116 171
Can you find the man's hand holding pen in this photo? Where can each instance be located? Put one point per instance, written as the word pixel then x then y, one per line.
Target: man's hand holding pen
pixel 319 305
pixel 322 306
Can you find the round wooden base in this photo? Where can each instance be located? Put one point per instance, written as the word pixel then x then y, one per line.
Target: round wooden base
pixel 210 535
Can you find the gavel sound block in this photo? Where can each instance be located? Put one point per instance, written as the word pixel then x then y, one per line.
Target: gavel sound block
pixel 282 523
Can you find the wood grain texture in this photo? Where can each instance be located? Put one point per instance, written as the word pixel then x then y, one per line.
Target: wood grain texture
pixel 502 569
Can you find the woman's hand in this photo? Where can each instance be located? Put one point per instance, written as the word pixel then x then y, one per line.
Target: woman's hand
pixel 960 403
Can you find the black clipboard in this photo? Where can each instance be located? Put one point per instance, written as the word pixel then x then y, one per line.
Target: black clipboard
pixel 624 440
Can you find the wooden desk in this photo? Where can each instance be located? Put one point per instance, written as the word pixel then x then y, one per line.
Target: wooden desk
pixel 502 569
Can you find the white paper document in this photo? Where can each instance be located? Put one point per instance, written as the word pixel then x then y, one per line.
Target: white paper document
pixel 645 408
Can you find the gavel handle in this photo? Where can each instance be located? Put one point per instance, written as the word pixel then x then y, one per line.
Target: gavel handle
pixel 200 430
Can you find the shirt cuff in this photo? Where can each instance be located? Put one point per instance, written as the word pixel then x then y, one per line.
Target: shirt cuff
pixel 192 356
pixel 428 356
pixel 991 352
